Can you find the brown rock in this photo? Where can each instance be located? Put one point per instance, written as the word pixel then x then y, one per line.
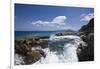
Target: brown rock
pixel 32 57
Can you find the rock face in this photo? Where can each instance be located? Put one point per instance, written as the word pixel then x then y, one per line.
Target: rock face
pixel 30 49
pixel 89 28
pixel 87 54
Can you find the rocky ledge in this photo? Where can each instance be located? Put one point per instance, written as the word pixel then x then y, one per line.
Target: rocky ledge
pixel 31 49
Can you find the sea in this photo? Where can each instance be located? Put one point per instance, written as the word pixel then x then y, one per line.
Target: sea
pixel 29 34
pixel 60 49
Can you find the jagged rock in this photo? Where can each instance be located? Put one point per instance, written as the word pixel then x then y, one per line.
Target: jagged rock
pixel 24 48
pixel 25 45
pixel 87 54
pixel 89 28
pixel 21 47
pixel 32 57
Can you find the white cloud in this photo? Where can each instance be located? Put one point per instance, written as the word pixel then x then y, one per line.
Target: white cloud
pixel 56 22
pixel 59 20
pixel 87 17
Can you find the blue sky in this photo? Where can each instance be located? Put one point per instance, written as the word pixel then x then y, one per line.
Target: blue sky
pixel 30 17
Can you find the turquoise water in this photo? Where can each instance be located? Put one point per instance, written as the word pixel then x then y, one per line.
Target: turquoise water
pixel 29 34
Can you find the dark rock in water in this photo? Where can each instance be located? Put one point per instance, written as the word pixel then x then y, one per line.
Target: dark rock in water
pixel 44 43
pixel 66 33
pixel 42 53
pixel 84 38
pixel 87 54
pixel 32 57
pixel 59 34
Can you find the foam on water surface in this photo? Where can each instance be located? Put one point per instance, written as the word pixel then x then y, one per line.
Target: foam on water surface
pixel 69 53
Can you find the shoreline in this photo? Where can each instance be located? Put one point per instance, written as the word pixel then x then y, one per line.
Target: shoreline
pixel 24 46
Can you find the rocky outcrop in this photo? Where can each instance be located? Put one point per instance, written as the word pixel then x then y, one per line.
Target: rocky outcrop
pixel 30 49
pixel 87 54
pixel 32 57
pixel 89 28
pixel 66 33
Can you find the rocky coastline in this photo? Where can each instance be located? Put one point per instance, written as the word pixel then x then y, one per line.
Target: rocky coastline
pixel 31 49
pixel 87 54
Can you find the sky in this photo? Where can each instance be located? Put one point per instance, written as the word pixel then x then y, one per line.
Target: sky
pixel 30 17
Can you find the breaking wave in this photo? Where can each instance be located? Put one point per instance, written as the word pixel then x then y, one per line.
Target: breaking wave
pixel 62 49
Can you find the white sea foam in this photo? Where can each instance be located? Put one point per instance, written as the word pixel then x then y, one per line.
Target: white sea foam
pixel 53 37
pixel 18 59
pixel 69 51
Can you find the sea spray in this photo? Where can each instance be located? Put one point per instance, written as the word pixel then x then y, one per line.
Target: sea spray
pixel 62 49
pixel 19 60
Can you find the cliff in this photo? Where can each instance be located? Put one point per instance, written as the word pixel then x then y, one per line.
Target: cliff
pixel 87 54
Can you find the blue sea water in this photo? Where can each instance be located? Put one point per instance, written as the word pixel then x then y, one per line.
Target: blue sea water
pixel 29 34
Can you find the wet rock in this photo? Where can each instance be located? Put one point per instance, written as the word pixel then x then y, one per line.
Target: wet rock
pixel 21 47
pixel 66 33
pixel 32 57
pixel 24 47
pixel 87 54
pixel 59 34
